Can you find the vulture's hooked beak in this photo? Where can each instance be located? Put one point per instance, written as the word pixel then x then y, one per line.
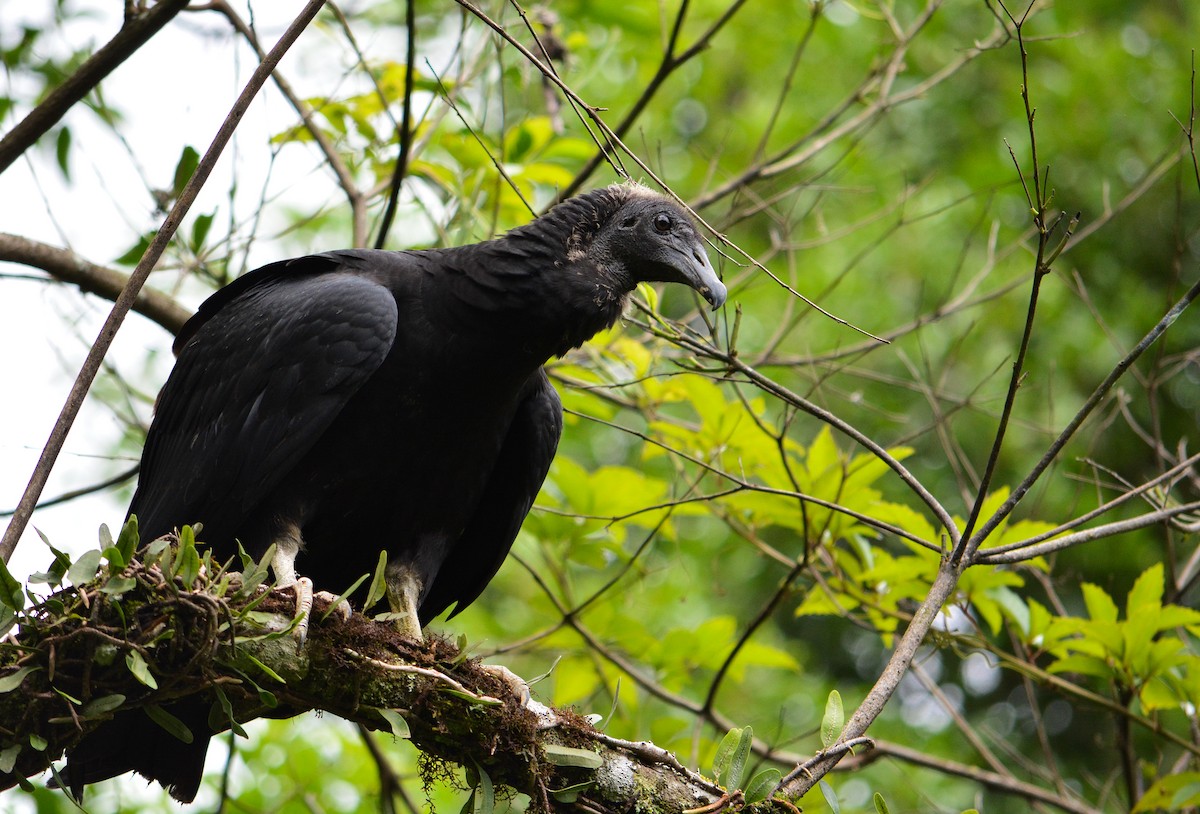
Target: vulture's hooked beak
pixel 702 277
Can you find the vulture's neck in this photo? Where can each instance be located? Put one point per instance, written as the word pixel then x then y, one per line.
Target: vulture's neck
pixel 541 286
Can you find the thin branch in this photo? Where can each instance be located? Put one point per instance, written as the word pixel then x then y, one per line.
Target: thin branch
pixel 404 131
pixel 993 780
pixel 66 497
pixel 1029 552
pixel 806 775
pixel 1084 412
pixel 669 64
pixel 67 267
pixel 136 32
pixel 345 178
pixel 124 302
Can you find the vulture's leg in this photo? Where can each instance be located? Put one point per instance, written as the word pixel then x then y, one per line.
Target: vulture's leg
pixel 283 564
pixel 403 591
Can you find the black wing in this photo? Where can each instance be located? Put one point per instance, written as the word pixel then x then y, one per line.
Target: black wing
pixel 515 480
pixel 260 378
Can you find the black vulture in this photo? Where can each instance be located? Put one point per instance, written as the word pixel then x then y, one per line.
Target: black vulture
pixel 341 403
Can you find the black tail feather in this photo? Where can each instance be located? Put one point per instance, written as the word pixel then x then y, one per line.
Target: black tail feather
pixel 132 742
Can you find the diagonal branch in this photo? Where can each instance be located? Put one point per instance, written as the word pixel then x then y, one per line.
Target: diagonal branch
pixel 125 301
pixel 135 33
pixel 67 267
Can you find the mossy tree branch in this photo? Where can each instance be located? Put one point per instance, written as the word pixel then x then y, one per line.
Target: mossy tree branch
pixel 82 655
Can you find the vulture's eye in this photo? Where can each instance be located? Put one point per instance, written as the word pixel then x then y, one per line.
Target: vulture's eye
pixel 662 224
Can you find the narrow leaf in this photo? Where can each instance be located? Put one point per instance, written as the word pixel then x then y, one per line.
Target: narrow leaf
pixel 62 151
pixel 378 584
pixel 169 722
pixel 881 806
pixel 219 718
pixel 570 794
pixel 267 670
pixel 200 231
pixel 334 604
pixel 570 756
pixel 741 755
pixel 11 595
pixel 11 682
pixel 188 161
pixel 762 785
pixel 831 798
pixel 725 753
pixel 127 540
pixel 485 794
pixel 141 671
pixel 833 721
pixel 396 723
pixel 103 705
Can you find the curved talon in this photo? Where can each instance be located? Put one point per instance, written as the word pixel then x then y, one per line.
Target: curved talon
pixel 304 599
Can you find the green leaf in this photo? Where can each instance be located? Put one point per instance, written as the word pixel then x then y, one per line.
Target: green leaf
pixel 11 594
pixel 187 560
pixel 1085 665
pixel 342 597
pixel 762 785
pixel 730 763
pixel 169 722
pixel 222 715
pixel 135 252
pixel 881 806
pixel 833 720
pixel 11 682
pixel 58 569
pixel 266 670
pixel 127 540
pixel 200 228
pixel 85 568
pixel 38 742
pixel 189 159
pixel 724 753
pixel 1146 593
pixel 1171 793
pixel 378 587
pixel 62 151
pixel 831 798
pixel 8 758
pixel 141 671
pixel 570 756
pixel 570 794
pixel 485 794
pixel 1100 606
pixel 99 707
pixel 395 722
pixel 115 586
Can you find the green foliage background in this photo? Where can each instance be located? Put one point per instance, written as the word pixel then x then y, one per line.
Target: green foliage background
pixel 873 157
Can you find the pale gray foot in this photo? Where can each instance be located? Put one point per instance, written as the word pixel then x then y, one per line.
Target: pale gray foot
pixel 283 564
pixel 403 591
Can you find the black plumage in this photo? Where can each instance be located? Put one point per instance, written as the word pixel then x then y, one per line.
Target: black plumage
pixel 341 403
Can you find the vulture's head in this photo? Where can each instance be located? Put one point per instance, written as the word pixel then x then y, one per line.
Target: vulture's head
pixel 648 238
pixel 627 234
